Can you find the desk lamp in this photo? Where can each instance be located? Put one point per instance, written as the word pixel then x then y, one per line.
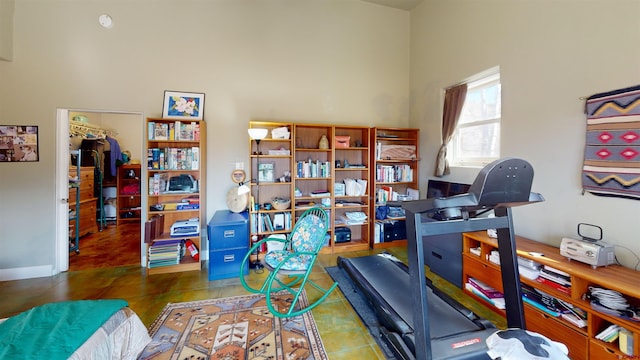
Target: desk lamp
pixel 257 134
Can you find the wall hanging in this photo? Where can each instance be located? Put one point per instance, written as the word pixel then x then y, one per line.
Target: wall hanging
pixel 18 143
pixel 183 105
pixel 612 148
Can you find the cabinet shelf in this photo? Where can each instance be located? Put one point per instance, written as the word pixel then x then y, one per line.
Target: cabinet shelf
pixel 581 341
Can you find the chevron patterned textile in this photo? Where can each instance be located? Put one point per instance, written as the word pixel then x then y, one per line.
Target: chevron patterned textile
pixel 612 151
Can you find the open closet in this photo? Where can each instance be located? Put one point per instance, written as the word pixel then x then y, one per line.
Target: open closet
pixel 101 146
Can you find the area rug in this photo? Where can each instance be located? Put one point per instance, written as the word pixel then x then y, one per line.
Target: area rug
pixel 239 327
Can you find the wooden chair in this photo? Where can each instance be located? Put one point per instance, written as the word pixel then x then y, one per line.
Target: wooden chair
pixel 289 268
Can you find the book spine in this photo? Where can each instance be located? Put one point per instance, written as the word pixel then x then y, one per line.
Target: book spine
pixel 554 285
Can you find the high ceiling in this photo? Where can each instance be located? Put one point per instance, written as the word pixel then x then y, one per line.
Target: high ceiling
pixel 398 4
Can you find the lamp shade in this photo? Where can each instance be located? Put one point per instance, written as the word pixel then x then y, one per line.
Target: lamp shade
pixel 257 133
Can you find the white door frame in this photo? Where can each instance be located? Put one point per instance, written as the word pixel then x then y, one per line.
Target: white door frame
pixel 61 262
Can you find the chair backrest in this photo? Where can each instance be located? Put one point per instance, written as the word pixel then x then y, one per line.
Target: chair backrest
pixel 309 232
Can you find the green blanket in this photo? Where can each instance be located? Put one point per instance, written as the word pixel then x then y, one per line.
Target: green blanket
pixel 55 330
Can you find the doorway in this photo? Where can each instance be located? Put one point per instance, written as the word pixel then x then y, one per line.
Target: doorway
pixel 104 242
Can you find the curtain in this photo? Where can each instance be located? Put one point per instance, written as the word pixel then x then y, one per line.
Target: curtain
pixel 453 101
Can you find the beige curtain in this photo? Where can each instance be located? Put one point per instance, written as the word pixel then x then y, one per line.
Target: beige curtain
pixel 453 101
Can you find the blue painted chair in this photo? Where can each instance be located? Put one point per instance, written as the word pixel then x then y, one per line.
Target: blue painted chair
pixel 289 268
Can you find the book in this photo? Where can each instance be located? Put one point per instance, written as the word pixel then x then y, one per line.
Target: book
pixel 554 285
pixel 487 290
pixel 497 302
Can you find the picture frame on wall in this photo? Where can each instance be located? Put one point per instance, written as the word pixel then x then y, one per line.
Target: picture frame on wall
pixel 19 143
pixel 183 105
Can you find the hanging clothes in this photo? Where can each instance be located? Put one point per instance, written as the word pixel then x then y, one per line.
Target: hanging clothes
pixel 116 154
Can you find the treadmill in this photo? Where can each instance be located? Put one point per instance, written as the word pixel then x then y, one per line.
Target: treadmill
pixel 420 322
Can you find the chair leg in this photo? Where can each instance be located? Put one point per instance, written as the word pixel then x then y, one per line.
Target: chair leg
pixel 272 296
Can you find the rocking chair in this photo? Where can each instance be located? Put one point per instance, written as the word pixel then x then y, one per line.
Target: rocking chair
pixel 289 268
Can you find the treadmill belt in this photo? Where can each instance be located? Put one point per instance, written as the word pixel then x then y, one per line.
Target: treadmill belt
pixel 392 283
pixel 456 332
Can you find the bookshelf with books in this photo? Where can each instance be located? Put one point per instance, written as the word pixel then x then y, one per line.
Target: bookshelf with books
pixel 394 177
pixel 176 178
pixel 270 169
pixel 561 297
pixel 313 175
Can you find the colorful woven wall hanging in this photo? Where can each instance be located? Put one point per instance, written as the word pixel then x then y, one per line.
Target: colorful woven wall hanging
pixel 612 151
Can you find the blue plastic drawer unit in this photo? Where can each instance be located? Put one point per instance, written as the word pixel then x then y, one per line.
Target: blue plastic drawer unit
pixel 228 234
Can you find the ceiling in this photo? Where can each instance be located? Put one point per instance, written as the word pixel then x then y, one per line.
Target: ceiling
pixel 398 4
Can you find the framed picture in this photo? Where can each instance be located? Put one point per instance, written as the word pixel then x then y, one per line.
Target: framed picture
pixel 18 143
pixel 183 105
pixel 265 172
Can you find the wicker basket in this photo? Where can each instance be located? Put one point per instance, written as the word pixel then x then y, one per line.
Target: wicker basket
pixel 280 204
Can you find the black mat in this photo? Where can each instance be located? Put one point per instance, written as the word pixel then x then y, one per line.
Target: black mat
pixel 361 306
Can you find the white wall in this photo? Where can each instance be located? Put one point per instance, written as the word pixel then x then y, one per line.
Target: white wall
pixel 330 61
pixel 551 53
pixel 6 29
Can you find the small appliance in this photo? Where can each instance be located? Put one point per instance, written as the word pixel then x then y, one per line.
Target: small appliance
pixel 189 227
pixel 588 250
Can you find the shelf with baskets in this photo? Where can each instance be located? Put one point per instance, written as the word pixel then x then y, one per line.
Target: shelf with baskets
pixel 561 309
pixel 394 177
pixel 176 194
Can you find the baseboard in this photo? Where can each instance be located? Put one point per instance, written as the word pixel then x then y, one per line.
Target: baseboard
pixel 25 272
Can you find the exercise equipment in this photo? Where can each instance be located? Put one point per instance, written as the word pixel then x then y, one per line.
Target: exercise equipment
pixel 420 323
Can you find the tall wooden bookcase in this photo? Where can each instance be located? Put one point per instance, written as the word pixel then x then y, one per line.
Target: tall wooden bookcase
pixel 351 190
pixel 342 177
pixel 394 161
pixel 176 158
pixel 270 169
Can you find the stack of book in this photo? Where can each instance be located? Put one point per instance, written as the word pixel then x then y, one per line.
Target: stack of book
pixel 165 253
pixel 486 292
pixel 553 306
pixel 555 278
pixel 610 334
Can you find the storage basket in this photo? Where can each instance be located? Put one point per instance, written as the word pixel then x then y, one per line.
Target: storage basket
pixel 342 141
pixel 280 204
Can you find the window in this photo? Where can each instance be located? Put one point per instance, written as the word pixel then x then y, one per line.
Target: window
pixel 476 141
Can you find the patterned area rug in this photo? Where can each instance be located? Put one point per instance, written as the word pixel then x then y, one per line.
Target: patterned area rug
pixel 239 327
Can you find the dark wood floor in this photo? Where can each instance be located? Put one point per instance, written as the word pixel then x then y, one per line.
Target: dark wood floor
pixel 112 247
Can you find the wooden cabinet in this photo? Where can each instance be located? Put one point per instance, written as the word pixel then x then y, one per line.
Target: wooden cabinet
pixel 581 341
pixel 270 175
pixel 128 194
pixel 176 191
pixel 394 162
pixel 82 194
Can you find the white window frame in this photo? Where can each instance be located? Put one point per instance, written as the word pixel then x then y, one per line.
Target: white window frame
pixel 485 79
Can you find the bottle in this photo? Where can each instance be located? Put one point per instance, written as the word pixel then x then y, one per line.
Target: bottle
pixel 324 142
pixel 193 250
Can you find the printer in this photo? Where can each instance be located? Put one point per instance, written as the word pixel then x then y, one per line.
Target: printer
pixel 189 227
